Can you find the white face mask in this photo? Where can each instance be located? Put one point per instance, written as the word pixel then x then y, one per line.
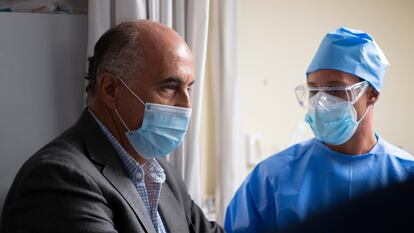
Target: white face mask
pixel 332 119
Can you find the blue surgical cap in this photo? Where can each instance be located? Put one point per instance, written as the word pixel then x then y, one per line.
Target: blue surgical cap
pixel 354 52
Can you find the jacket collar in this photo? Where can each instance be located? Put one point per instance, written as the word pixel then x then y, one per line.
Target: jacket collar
pixel 100 150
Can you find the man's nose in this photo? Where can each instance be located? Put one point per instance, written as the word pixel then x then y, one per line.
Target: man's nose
pixel 185 100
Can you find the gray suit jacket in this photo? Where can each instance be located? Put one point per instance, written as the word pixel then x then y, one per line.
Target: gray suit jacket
pixel 77 183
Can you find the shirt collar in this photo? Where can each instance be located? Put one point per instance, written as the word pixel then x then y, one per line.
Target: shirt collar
pixel 135 171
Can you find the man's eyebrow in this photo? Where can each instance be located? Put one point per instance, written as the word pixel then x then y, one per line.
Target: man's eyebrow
pixel 171 80
pixel 174 81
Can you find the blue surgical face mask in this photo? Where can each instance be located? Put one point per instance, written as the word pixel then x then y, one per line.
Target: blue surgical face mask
pixel 163 129
pixel 332 119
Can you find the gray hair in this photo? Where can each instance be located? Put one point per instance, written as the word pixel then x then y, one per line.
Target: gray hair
pixel 118 52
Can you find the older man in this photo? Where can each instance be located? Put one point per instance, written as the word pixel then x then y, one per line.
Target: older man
pixel 105 174
pixel 344 160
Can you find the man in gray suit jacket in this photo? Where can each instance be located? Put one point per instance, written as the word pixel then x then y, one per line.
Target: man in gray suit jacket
pixel 106 173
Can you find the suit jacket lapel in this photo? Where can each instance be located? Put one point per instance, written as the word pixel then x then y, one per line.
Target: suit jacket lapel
pixel 125 187
pixel 171 212
pixel 101 150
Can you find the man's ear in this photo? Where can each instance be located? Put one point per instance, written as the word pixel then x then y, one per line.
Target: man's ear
pixel 108 89
pixel 373 96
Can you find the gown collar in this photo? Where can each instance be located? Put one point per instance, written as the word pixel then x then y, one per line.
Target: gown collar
pixel 375 150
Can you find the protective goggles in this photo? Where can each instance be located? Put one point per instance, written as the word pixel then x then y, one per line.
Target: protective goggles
pixel 348 93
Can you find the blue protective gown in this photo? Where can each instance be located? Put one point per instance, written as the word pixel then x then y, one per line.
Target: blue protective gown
pixel 307 178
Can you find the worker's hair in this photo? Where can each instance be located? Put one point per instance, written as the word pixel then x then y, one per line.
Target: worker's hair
pixel 117 52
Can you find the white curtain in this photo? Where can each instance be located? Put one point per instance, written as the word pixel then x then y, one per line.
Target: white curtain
pixel 190 19
pixel 230 147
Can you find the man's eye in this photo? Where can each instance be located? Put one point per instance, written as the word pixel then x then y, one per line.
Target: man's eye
pixel 169 88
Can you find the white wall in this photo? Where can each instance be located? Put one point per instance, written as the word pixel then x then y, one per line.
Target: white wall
pixel 42 64
pixel 278 40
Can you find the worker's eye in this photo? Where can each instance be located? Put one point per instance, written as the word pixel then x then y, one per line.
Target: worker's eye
pixel 338 93
pixel 312 93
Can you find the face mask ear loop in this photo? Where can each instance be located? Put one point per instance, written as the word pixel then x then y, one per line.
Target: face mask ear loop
pixel 132 92
pixel 120 118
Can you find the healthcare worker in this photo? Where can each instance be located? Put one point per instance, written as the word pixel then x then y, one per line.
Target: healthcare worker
pixel 344 160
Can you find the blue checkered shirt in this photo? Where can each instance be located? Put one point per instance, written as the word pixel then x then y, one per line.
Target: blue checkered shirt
pixel 147 178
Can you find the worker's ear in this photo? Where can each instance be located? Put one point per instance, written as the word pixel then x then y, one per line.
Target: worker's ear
pixel 372 95
pixel 108 89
